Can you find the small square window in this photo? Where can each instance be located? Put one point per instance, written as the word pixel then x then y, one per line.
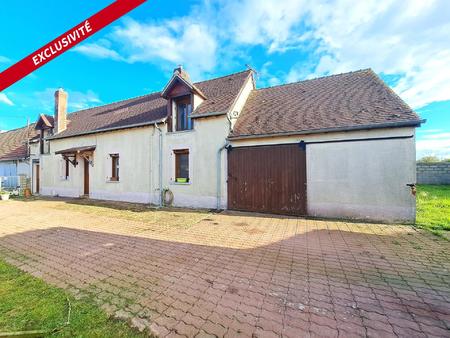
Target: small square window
pixel 181 165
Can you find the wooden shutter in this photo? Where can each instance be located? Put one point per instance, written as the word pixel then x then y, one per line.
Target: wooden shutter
pixel 169 115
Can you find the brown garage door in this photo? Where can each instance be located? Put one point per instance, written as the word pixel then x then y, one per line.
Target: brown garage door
pixel 268 179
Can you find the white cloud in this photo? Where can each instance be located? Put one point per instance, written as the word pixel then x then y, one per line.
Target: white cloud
pixel 4 59
pixel 100 49
pixel 183 41
pixel 76 100
pixel 4 99
pixel 269 22
pixel 434 144
pixel 410 40
pixel 391 37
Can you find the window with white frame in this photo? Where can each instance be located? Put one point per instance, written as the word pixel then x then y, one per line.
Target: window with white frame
pixel 181 165
pixel 115 167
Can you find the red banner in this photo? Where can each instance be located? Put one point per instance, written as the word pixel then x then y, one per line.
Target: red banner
pixel 66 41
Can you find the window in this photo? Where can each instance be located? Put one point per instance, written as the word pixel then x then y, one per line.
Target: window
pixel 115 167
pixel 41 142
pixel 66 168
pixel 183 110
pixel 181 165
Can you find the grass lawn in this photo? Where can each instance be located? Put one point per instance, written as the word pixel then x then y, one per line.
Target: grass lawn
pixel 27 303
pixel 433 208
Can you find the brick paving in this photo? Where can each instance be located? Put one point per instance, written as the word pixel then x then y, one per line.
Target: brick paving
pixel 233 275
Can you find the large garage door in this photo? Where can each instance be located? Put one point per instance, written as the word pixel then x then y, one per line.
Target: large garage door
pixel 268 179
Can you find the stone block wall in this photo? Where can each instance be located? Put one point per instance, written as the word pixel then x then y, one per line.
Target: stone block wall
pixel 433 173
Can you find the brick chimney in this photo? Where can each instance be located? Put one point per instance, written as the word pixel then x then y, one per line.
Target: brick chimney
pixel 60 110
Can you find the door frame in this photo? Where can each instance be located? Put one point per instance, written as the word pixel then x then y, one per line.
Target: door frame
pixel 38 178
pixel 86 180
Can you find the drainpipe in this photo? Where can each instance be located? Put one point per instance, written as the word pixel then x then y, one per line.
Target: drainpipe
pixel 219 174
pixel 160 165
pixel 219 167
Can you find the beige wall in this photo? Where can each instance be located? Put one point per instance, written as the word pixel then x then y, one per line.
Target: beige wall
pixel 364 179
pixel 133 147
pixel 239 103
pixel 204 141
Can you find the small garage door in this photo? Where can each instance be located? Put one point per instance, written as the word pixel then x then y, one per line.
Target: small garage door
pixel 269 179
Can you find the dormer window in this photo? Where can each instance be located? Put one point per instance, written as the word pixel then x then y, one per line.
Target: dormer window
pixel 180 94
pixel 183 110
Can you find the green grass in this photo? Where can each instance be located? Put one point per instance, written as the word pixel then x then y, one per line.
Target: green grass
pixel 433 208
pixel 27 303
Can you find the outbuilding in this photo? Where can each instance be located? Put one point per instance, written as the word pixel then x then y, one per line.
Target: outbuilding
pixel 336 146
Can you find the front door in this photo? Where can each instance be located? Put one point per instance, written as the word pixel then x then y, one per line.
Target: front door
pixel 86 177
pixel 37 173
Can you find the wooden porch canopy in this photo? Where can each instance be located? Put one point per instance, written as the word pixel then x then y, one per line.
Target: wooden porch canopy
pixel 71 154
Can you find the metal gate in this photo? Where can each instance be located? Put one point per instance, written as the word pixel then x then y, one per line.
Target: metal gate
pixel 270 179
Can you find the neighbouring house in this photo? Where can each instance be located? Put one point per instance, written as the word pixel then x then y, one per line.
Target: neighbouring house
pixel 337 146
pixel 14 156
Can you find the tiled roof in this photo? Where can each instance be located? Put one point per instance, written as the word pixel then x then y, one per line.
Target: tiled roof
pixel 220 92
pixel 13 143
pixel 344 101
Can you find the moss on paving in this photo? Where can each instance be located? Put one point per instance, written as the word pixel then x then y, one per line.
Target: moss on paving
pixel 173 217
pixel 433 208
pixel 28 303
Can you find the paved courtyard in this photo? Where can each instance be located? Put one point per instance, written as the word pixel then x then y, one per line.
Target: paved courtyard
pixel 234 274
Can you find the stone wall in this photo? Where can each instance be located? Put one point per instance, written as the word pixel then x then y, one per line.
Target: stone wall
pixel 433 173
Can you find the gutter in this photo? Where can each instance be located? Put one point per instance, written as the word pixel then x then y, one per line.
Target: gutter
pixel 329 130
pixel 219 175
pixel 144 124
pixel 160 165
pixel 217 113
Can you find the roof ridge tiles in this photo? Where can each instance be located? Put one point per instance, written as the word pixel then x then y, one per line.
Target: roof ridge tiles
pixel 316 78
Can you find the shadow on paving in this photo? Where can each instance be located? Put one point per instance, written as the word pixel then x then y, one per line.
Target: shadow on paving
pixel 322 282
pixel 115 205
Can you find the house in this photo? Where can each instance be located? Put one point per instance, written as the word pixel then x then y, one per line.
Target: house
pixel 336 146
pixel 14 156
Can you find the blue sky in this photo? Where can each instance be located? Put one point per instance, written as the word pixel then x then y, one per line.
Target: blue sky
pixel 284 40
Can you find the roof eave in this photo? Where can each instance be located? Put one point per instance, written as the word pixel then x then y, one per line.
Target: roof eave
pixel 416 123
pixel 191 86
pixel 104 130
pixel 7 159
pixel 215 113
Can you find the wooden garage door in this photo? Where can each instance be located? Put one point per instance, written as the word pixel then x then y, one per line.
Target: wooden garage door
pixel 268 179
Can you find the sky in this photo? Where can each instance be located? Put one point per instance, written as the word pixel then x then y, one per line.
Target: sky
pixel 407 43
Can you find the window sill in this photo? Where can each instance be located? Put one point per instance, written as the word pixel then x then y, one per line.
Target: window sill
pixel 180 183
pixel 112 181
pixel 180 131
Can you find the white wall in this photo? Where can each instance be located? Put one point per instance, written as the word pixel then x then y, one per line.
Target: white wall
pixel 23 167
pixel 364 179
pixel 133 147
pixel 204 141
